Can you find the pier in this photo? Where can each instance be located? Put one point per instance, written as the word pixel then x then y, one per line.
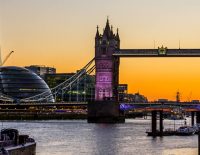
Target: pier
pixel 155 132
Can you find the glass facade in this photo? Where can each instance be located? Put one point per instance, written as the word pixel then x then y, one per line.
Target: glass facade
pixel 20 83
pixel 82 90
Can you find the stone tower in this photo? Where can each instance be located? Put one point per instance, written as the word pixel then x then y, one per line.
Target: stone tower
pixel 107 66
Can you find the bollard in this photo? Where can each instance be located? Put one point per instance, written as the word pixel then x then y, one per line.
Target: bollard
pixel 197 117
pixel 192 118
pixel 154 122
pixel 161 123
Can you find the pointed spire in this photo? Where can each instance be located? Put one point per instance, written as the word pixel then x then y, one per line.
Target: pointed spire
pixel 117 35
pixel 111 32
pixel 111 28
pixel 107 29
pixel 97 33
pixel 107 23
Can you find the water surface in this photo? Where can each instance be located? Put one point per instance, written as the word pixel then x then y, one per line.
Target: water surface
pixel 73 137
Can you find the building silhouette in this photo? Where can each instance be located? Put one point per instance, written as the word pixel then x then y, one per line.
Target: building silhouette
pixel 41 70
pixel 81 90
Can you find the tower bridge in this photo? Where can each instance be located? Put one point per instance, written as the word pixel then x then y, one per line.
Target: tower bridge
pixel 107 61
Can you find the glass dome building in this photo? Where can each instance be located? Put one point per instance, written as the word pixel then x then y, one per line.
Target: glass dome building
pixel 20 83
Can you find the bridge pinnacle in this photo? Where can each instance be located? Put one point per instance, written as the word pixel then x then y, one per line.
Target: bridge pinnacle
pixel 97 33
pixel 117 35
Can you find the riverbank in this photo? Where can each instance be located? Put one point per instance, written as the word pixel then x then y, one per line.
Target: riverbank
pixel 47 115
pixel 40 116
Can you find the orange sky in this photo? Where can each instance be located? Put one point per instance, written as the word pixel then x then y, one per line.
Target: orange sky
pixel 61 34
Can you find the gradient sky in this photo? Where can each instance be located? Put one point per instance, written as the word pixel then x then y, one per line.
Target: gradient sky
pixel 60 33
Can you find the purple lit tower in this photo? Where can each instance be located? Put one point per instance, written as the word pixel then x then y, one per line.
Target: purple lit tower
pixel 107 66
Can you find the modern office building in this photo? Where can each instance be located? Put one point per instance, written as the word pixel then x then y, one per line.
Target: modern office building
pixel 122 92
pixel 20 83
pixel 41 70
pixel 81 90
pixel 137 98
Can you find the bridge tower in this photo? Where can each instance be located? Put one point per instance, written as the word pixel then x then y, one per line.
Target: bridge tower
pixel 106 108
pixel 107 66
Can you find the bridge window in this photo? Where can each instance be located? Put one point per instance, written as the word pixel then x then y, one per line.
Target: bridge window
pixel 104 50
pixel 104 79
pixel 103 65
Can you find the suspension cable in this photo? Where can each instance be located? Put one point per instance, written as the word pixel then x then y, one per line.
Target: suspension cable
pixel 62 86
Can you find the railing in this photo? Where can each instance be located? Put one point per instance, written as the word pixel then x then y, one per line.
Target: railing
pixel 157 53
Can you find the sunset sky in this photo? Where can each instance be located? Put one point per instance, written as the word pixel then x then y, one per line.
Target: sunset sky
pixel 61 33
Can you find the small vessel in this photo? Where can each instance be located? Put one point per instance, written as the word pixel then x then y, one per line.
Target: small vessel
pixel 185 131
pixel 166 132
pixel 11 143
pixel 197 128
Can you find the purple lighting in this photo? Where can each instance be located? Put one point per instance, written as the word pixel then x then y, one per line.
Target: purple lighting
pixel 127 107
pixel 105 45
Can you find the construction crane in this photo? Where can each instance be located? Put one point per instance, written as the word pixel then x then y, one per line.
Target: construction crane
pixel 4 61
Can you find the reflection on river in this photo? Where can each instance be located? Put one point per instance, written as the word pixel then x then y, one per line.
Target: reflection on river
pixel 72 137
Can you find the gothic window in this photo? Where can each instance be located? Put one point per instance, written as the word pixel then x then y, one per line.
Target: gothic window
pixel 104 42
pixel 104 79
pixel 104 50
pixel 103 65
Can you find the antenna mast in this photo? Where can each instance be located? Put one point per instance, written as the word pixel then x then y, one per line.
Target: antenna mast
pixel 177 96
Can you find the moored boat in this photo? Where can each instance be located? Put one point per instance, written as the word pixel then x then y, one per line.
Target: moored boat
pixel 185 131
pixel 11 143
pixel 197 128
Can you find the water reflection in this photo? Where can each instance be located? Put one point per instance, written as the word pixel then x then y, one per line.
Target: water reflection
pixel 105 138
pixel 78 137
pixel 182 151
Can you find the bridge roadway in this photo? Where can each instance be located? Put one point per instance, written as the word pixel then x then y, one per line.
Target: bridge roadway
pixel 168 106
pixel 162 52
pixel 43 104
pixel 123 104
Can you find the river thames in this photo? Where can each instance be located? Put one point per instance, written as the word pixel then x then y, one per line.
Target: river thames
pixel 73 137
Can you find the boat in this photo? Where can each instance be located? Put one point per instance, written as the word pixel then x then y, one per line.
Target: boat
pixel 197 128
pixel 185 131
pixel 166 132
pixel 11 143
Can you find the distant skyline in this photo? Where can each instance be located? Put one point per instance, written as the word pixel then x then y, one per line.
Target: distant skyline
pixel 61 34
